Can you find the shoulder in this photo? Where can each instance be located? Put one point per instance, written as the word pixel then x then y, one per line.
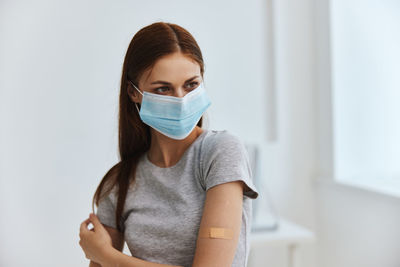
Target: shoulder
pixel 222 140
pixel 225 159
pixel 109 196
pixel 222 148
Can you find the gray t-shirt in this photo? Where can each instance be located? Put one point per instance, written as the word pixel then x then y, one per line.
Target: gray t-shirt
pixel 164 206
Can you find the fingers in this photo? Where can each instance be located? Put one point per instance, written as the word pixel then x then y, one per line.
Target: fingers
pixel 95 220
pixel 83 227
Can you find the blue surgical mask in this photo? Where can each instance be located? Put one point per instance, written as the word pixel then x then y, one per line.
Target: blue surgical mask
pixel 173 116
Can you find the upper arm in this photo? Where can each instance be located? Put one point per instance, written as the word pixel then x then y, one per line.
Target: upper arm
pixel 222 208
pixel 116 236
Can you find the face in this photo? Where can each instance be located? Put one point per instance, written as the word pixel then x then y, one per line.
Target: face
pixel 173 75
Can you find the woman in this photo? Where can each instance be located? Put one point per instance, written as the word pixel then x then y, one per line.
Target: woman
pixel 181 195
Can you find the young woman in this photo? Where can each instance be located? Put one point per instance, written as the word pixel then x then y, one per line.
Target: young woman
pixel 180 195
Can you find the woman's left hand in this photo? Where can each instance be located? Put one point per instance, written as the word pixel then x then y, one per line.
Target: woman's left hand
pixel 95 242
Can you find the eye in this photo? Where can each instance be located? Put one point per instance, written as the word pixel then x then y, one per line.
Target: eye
pixel 161 89
pixel 192 85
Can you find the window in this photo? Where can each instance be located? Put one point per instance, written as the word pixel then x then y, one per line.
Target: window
pixel 365 84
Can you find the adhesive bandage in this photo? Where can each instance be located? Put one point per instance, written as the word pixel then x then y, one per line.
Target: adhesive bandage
pixel 215 232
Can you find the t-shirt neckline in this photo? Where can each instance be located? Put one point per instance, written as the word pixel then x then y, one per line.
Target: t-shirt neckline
pixel 151 164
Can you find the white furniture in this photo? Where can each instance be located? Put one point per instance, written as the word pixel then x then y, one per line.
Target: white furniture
pixel 288 235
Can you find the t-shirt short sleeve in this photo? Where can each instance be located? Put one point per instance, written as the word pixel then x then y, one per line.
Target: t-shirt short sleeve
pixel 106 211
pixel 226 160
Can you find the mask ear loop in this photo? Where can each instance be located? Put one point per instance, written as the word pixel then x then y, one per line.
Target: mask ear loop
pixel 139 92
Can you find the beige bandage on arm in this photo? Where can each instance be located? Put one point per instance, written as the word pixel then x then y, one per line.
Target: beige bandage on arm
pixel 216 232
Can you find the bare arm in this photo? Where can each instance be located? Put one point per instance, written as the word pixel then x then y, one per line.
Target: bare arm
pixel 114 256
pixel 117 242
pixel 117 258
pixel 222 209
pixel 93 264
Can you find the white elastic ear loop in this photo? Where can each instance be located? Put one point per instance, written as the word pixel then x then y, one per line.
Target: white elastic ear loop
pixel 137 108
pixel 139 92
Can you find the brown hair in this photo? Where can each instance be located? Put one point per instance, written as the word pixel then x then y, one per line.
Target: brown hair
pixel 146 47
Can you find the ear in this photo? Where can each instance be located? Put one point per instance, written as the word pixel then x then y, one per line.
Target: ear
pixel 133 94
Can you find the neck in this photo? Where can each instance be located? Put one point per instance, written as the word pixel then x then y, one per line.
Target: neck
pixel 165 151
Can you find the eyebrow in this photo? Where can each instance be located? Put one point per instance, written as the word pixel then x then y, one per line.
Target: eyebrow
pixel 168 83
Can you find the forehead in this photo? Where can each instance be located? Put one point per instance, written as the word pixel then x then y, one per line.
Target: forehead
pixel 175 68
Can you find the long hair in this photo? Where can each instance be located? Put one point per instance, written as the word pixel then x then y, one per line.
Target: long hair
pixel 146 47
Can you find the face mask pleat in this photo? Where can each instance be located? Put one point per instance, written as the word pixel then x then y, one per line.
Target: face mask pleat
pixel 166 110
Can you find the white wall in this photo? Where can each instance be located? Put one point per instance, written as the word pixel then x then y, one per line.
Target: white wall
pixel 357 227
pixel 290 162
